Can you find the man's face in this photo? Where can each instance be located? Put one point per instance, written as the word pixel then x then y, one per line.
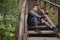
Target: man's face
pixel 35 8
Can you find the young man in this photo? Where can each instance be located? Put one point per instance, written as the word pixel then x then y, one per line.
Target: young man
pixel 34 19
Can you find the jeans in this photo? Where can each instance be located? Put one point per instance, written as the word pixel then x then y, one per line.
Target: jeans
pixel 47 24
pixel 35 21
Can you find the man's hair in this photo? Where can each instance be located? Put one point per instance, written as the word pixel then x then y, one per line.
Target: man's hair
pixel 34 5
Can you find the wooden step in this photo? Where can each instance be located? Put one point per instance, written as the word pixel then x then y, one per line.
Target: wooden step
pixel 43 38
pixel 42 27
pixel 42 32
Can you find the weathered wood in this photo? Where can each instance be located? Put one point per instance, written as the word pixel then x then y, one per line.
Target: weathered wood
pixel 49 20
pixel 52 7
pixel 59 20
pixel 26 15
pixel 42 32
pixel 58 6
pixel 43 38
pixel 52 3
pixel 44 7
pixel 21 28
pixel 23 32
pixel 39 27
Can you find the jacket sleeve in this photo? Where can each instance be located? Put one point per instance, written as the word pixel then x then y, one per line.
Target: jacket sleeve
pixel 34 14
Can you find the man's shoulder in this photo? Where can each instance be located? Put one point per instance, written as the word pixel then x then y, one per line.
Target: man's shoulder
pixel 31 11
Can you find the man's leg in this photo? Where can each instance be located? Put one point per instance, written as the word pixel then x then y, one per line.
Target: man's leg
pixel 36 22
pixel 47 24
pixel 53 28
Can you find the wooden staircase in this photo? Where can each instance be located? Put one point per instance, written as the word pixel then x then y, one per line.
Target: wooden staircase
pixel 29 33
pixel 44 31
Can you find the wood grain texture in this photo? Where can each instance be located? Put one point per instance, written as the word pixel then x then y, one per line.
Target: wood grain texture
pixel 43 38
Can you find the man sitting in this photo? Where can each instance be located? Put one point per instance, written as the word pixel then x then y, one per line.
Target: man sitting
pixel 34 19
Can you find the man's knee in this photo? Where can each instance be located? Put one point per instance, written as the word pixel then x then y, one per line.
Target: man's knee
pixel 36 22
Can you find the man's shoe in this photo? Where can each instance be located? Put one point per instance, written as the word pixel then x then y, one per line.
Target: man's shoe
pixel 55 29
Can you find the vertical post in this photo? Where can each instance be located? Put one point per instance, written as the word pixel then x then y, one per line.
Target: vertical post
pixel 44 7
pixel 59 20
pixel 38 2
pixel 25 20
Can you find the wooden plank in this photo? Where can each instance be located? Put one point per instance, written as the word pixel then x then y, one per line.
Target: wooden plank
pixel 49 20
pixel 52 3
pixel 42 32
pixel 39 27
pixel 43 38
pixel 44 7
pixel 21 28
pixel 58 6
pixel 59 20
pixel 26 15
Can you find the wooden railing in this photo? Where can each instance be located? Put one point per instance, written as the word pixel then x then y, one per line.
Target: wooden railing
pixel 43 12
pixel 22 22
pixel 25 21
pixel 57 6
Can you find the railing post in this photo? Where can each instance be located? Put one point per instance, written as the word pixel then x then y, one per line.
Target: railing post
pixel 44 7
pixel 25 21
pixel 59 20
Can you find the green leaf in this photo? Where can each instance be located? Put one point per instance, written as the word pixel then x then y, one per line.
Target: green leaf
pixel 2 26
pixel 1 18
pixel 11 34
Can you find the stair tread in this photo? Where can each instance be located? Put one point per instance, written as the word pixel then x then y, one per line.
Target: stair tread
pixel 43 38
pixel 39 26
pixel 43 27
pixel 42 32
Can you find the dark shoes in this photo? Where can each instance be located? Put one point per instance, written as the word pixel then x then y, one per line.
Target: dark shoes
pixel 55 29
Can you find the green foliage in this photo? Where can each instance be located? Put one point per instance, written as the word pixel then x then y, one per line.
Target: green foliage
pixel 58 2
pixel 51 14
pixel 53 17
pixel 9 19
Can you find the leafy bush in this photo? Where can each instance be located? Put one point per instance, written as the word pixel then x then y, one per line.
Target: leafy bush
pixel 9 19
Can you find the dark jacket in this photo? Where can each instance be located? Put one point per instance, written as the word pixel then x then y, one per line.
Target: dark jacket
pixel 32 14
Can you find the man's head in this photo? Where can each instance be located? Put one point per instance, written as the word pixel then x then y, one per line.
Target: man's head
pixel 35 7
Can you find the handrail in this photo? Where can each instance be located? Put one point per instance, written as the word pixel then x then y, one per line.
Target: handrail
pixel 52 3
pixel 57 6
pixel 42 11
pixel 21 28
pixel 25 21
pixel 49 20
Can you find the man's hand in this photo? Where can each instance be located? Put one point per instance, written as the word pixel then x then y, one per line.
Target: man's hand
pixel 43 20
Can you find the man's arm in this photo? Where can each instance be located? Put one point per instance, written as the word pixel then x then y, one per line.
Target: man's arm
pixel 34 14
